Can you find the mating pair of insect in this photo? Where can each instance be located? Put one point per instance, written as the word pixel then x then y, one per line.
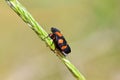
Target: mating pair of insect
pixel 59 41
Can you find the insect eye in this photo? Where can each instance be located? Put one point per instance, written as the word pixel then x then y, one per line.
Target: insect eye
pixel 54 30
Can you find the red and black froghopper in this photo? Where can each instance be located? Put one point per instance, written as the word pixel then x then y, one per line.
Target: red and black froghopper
pixel 59 41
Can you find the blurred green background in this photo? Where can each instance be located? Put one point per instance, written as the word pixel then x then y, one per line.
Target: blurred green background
pixel 91 27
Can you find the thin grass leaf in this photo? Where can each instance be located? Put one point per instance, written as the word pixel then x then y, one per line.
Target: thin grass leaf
pixel 27 18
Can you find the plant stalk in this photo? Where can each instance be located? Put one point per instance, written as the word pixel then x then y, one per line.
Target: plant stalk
pixel 27 18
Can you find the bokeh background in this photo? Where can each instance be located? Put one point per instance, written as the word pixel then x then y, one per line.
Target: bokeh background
pixel 91 27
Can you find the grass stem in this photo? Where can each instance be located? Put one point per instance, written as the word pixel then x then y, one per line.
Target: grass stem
pixel 27 18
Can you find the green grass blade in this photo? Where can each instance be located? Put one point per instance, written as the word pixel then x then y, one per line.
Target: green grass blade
pixel 75 72
pixel 27 18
